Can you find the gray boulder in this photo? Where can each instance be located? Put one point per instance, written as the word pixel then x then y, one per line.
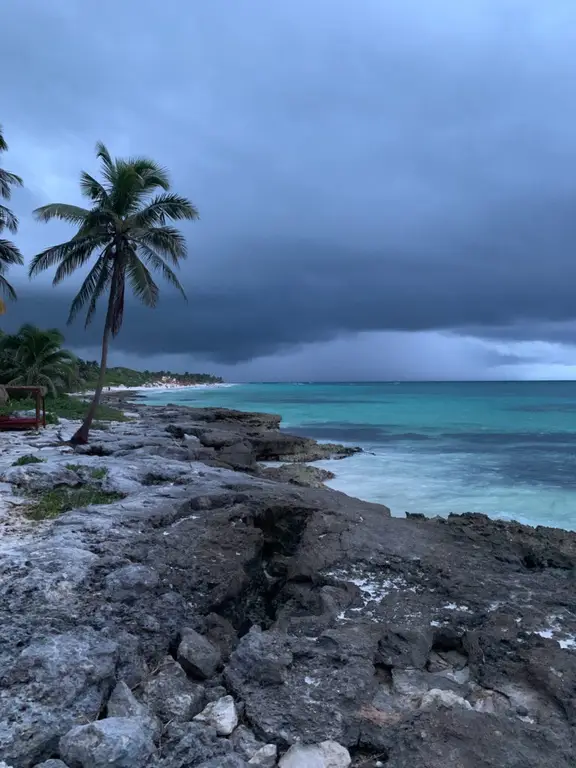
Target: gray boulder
pixel 262 657
pixel 245 742
pixel 123 703
pixel 171 695
pixel 116 742
pixel 190 744
pixel 197 655
pixel 52 684
pixel 265 757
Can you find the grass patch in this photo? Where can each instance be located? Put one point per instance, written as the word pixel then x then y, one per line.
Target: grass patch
pixel 53 503
pixel 68 407
pixel 64 407
pixel 97 473
pixel 29 458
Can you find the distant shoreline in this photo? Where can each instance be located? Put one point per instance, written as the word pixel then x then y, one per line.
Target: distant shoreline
pixel 157 387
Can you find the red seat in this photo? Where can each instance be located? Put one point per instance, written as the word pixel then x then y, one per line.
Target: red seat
pixel 19 422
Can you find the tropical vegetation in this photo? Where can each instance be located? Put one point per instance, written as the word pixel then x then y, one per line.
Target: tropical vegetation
pixel 120 376
pixel 35 357
pixel 128 231
pixel 9 253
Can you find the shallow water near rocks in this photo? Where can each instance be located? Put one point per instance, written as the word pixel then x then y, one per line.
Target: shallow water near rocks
pixel 502 448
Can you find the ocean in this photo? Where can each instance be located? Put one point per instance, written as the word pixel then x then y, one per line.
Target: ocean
pixel 506 449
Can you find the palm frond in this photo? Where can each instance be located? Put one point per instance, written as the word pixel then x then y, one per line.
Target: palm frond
pixel 8 220
pixel 3 145
pixel 141 281
pixel 92 188
pixel 165 207
pixel 157 263
pixel 9 254
pixel 57 253
pixel 7 181
pixel 76 258
pixel 7 289
pixel 153 175
pixel 127 191
pixel 107 163
pixel 74 214
pixel 136 179
pixel 91 289
pixel 167 241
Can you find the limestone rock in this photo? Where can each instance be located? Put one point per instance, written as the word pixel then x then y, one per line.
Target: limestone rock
pixel 239 456
pixel 298 474
pixel 265 757
pixel 46 764
pixel 230 761
pixel 261 656
pixel 245 742
pixel 41 477
pixel 441 698
pixel 197 655
pixel 131 581
pixel 171 695
pixel 327 754
pixel 116 742
pixel 221 715
pixel 191 744
pixel 55 681
pixel 123 703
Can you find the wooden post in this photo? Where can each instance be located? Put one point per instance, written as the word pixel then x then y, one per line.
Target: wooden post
pixel 38 397
pixel 44 411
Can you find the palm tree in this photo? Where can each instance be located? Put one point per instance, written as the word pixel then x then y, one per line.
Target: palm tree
pixel 128 232
pixel 33 357
pixel 9 254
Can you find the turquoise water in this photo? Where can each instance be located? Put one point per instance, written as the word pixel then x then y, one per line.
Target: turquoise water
pixel 507 449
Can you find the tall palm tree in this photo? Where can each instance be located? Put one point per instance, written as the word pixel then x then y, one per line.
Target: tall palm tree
pixel 33 357
pixel 128 232
pixel 9 254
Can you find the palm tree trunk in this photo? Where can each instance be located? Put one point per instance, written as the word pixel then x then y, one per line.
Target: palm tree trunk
pixel 80 437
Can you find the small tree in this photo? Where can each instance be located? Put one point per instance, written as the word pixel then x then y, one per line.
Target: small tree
pixel 34 357
pixel 128 231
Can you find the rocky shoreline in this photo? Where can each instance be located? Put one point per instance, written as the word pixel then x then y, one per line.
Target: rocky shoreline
pixel 218 613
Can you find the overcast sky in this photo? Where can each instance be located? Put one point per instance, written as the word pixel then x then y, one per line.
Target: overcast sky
pixel 387 188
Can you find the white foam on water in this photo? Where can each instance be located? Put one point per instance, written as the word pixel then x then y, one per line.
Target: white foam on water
pixel 438 484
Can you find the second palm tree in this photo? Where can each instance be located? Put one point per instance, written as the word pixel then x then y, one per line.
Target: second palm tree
pixel 128 231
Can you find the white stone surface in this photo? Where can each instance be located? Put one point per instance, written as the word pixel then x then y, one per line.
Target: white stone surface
pixel 447 699
pixel 327 754
pixel 265 757
pixel 221 715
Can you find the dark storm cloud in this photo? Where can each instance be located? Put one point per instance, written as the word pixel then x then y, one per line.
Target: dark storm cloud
pixel 376 166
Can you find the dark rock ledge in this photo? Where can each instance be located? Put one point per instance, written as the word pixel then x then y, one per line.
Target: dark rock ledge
pixel 218 619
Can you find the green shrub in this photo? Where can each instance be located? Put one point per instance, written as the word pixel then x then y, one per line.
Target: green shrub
pixel 27 459
pixel 99 473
